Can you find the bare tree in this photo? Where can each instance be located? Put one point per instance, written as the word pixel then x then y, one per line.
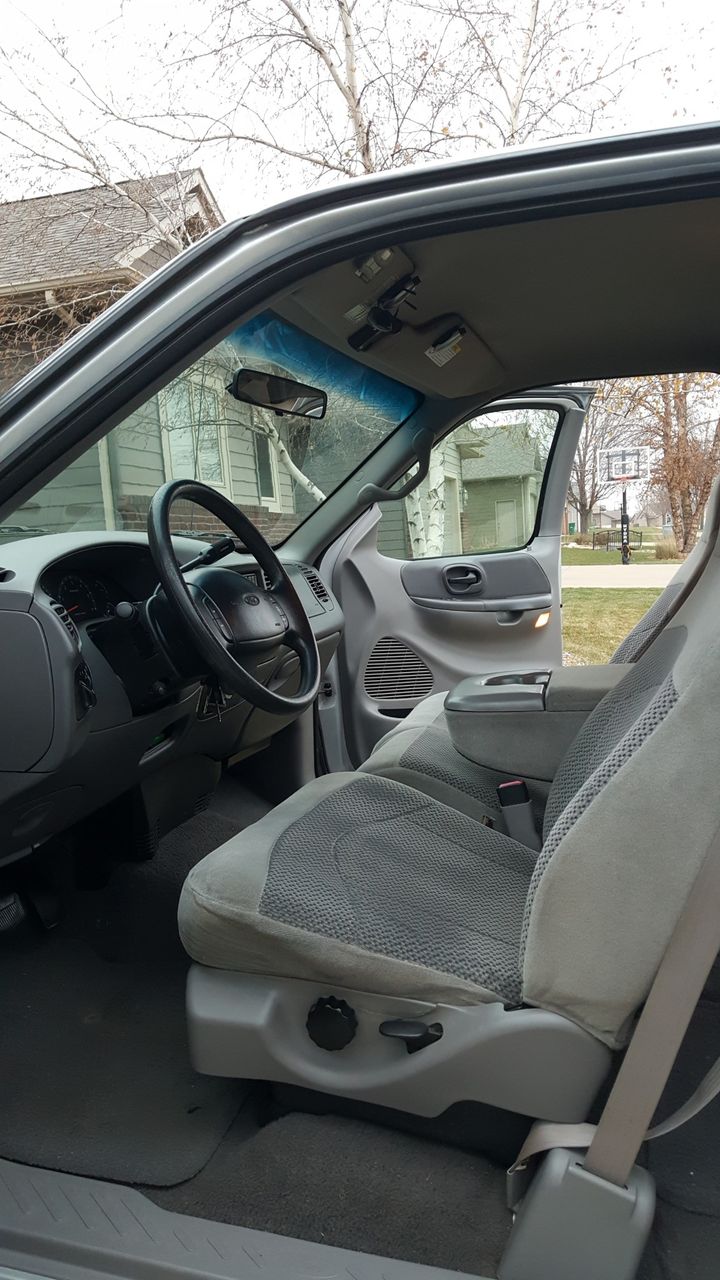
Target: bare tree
pixel 387 84
pixel 610 422
pixel 678 416
pixel 332 90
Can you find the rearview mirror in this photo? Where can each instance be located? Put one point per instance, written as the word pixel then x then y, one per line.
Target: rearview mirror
pixel 282 395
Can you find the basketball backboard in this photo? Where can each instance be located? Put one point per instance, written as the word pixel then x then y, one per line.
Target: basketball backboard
pixel 621 466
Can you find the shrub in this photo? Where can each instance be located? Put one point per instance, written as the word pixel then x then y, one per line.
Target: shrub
pixel 666 549
pixel 582 539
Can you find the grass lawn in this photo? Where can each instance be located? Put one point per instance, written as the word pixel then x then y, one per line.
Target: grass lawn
pixel 586 555
pixel 595 621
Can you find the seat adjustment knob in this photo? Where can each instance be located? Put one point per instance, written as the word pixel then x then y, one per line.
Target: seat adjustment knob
pixel 331 1023
pixel 415 1034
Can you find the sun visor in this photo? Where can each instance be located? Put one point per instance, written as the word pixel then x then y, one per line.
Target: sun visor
pixel 444 357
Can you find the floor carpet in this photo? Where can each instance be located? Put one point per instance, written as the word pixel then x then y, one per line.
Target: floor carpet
pixel 686 1163
pixel 345 1182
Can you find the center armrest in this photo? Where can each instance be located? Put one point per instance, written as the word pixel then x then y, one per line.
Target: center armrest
pixel 524 722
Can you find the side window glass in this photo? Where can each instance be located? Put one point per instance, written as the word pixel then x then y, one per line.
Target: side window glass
pixel 482 492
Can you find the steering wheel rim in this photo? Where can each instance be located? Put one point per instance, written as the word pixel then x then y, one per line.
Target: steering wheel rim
pixel 294 629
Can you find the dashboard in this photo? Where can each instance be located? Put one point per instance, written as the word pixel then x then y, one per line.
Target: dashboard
pixel 92 713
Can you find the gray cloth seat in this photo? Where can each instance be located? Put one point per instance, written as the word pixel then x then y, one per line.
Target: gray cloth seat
pixel 364 883
pixel 420 751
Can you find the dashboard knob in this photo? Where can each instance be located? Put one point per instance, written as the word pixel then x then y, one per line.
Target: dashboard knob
pixel 126 611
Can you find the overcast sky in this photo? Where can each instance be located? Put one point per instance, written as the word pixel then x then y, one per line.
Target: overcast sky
pixel 115 42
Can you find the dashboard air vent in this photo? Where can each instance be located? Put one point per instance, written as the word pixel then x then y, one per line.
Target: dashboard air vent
pixel 317 586
pixel 394 670
pixel 66 620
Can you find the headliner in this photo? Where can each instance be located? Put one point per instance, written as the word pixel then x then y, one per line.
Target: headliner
pixel 556 299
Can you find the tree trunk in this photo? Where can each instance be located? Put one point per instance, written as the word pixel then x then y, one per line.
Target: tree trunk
pixel 584 514
pixel 284 458
pixel 416 525
pixel 436 502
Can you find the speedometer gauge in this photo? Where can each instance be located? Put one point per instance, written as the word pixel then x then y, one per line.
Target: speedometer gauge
pixel 76 595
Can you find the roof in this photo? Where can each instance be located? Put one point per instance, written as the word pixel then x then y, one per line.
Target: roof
pixel 96 232
pixel 498 453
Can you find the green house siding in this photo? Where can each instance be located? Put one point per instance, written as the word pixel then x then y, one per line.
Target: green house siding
pixel 73 498
pixel 483 526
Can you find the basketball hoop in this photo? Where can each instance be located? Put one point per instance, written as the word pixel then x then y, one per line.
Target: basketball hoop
pixel 622 467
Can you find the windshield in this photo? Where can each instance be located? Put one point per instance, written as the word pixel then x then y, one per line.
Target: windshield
pixel 277 469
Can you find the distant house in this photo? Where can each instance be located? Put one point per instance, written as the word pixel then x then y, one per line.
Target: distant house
pixel 492 483
pixel 502 476
pixel 66 257
pixel 63 259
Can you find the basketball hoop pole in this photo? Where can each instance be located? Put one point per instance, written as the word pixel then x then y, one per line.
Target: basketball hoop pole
pixel 624 529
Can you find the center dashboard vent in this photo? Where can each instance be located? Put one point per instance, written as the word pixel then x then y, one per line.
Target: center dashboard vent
pixel 66 620
pixel 394 670
pixel 317 586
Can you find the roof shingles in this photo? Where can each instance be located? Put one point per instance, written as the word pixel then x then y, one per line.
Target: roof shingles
pixel 76 235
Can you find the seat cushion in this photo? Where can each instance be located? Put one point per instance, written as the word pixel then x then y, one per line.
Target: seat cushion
pixel 420 753
pixel 365 883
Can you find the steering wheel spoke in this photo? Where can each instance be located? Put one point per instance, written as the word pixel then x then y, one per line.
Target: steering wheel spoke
pixel 231 622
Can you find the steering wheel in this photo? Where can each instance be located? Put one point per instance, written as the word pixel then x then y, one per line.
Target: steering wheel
pixel 229 619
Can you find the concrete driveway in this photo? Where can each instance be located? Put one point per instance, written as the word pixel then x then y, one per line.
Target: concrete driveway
pixel 617 575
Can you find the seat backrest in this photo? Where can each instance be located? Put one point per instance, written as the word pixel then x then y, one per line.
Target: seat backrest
pixel 678 588
pixel 630 815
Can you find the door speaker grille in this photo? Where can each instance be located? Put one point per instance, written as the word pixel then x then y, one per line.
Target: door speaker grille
pixel 394 670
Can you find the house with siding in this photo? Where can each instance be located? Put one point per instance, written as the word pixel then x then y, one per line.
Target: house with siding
pixel 63 259
pixel 492 481
pixel 502 474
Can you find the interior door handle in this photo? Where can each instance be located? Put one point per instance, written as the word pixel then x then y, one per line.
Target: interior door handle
pixel 463 579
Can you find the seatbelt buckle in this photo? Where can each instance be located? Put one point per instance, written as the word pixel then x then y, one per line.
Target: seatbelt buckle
pixel 517 812
pixel 512 793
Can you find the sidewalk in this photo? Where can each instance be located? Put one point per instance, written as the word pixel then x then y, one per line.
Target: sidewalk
pixel 618 575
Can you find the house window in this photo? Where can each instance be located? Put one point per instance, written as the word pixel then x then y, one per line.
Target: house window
pixel 267 472
pixel 194 427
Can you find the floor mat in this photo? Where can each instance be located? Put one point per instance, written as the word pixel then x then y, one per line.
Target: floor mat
pixel 94 1069
pixel 346 1182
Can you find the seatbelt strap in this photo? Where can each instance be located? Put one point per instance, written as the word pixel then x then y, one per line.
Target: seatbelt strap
pixel 613 1144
